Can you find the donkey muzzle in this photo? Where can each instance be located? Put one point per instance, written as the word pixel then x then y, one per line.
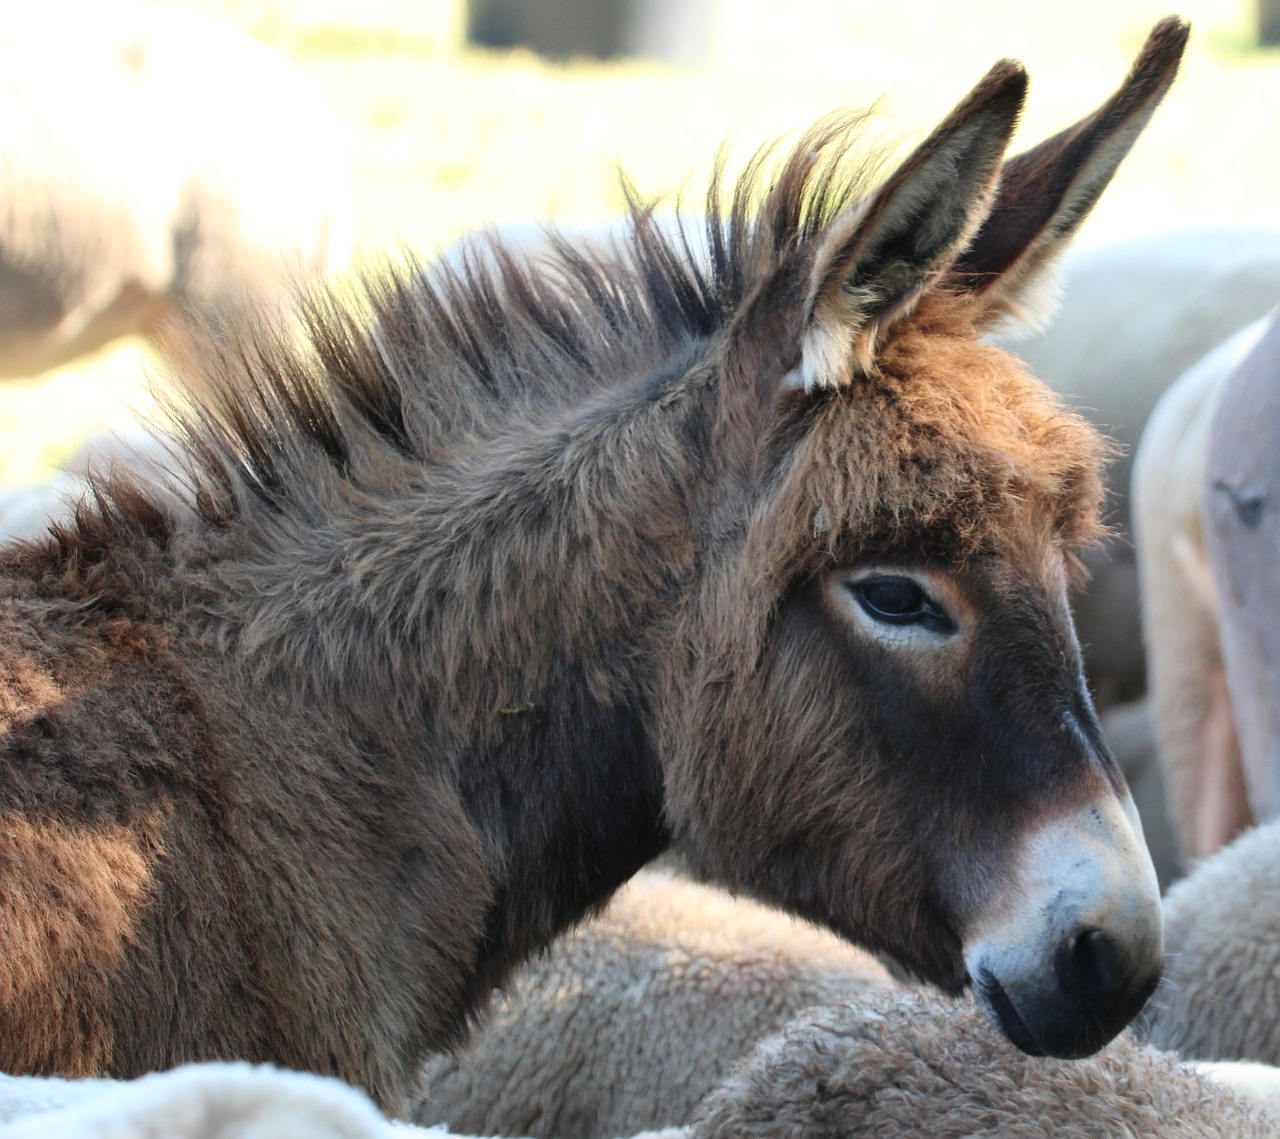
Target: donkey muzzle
pixel 1069 954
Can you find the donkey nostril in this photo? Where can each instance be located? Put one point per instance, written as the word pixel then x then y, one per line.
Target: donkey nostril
pixel 1092 964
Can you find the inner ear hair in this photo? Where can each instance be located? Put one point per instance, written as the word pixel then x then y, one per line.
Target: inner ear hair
pixel 873 261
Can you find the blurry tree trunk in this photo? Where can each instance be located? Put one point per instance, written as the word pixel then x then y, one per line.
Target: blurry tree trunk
pixel 678 31
pixel 1268 22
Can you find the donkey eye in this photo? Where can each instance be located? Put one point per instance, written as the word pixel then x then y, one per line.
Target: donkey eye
pixel 900 601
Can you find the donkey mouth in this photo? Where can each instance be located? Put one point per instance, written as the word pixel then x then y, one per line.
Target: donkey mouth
pixel 1068 1024
pixel 1075 946
pixel 996 1003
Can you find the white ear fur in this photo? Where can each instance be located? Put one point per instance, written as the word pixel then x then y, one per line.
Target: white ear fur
pixel 940 213
pixel 872 263
pixel 1032 308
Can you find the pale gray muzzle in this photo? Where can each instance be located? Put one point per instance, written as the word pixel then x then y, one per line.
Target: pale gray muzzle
pixel 1067 955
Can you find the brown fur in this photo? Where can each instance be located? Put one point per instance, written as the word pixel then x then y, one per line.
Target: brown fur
pixel 517 573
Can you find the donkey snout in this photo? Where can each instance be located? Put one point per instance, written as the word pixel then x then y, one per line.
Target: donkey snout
pixel 1094 990
pixel 1071 952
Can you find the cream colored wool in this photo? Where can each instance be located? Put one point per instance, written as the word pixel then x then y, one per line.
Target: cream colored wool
pixel 625 1024
pixel 1221 996
pixel 893 1066
pixel 199 1101
pixel 1258 1083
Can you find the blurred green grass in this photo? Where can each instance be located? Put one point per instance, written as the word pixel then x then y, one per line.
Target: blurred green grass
pixel 445 138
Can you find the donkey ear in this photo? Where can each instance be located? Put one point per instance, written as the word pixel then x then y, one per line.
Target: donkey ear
pixel 1046 192
pixel 874 260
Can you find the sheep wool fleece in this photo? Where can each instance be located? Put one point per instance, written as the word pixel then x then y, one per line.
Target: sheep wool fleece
pixel 902 1066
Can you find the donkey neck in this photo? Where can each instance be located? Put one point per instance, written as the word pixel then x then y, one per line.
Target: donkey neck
pixel 559 553
pixel 507 610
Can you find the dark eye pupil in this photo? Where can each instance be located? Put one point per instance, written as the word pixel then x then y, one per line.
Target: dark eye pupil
pixel 896 597
pixel 900 601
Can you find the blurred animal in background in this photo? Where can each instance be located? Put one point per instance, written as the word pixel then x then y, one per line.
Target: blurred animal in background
pixel 1206 498
pixel 27 508
pixel 678 31
pixel 1241 500
pixel 1133 316
pixel 157 167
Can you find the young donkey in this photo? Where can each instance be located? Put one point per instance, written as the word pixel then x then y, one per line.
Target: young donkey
pixel 454 623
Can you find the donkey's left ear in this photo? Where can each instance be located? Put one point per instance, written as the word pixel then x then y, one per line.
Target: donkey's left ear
pixel 1046 192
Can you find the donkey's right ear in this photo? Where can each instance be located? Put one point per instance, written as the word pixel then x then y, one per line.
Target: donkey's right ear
pixel 1046 192
pixel 873 261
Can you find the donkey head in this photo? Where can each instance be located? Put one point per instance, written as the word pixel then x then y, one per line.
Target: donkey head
pixel 882 720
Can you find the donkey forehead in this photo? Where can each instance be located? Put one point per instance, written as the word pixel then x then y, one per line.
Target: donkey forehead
pixel 950 443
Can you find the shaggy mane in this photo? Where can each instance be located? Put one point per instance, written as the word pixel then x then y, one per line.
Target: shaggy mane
pixel 412 365
pixel 411 362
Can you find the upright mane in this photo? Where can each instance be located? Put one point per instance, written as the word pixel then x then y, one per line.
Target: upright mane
pixel 427 376
pixel 410 362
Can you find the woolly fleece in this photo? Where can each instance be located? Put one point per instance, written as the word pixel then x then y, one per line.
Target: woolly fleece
pixel 904 1065
pixel 628 1022
pixel 200 1101
pixel 1221 996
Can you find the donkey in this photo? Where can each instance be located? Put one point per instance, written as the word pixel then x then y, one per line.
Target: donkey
pixel 1242 476
pixel 519 573
pixel 1204 486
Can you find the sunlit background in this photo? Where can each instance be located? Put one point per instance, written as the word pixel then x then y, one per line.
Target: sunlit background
pixel 445 136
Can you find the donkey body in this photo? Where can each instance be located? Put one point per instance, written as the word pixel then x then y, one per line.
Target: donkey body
pixel 454 623
pixel 1205 481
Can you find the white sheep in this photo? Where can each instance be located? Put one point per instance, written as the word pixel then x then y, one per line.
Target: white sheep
pixel 902 1065
pixel 1221 995
pixel 199 1101
pixel 154 162
pixel 885 1065
pixel 626 1023
pixel 1258 1083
